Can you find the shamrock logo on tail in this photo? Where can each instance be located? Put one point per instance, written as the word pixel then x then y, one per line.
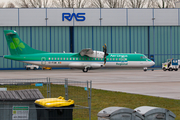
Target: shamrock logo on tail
pixel 16 44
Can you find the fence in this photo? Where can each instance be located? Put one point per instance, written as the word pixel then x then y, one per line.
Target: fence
pixel 17 98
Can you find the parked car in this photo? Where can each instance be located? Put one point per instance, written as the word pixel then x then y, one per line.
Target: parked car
pixel 32 67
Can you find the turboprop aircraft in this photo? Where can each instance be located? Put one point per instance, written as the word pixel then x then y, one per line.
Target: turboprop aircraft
pixel 86 59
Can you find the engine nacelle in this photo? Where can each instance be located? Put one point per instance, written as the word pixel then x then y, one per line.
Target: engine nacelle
pixel 96 54
pixel 95 66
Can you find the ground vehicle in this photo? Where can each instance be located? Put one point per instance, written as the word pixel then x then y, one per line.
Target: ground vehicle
pixel 34 67
pixel 46 68
pixel 171 64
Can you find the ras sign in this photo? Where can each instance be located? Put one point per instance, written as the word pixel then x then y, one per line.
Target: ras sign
pixel 69 16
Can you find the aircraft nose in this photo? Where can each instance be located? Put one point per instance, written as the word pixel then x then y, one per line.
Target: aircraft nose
pixel 152 63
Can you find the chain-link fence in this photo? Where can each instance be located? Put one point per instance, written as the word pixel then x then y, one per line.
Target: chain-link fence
pixel 18 98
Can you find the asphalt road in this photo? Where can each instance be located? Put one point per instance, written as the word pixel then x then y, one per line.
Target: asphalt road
pixel 153 83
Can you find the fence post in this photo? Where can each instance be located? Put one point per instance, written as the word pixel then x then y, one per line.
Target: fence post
pixel 89 97
pixel 48 88
pixel 66 88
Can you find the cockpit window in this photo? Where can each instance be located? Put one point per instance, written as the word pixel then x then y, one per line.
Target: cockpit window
pixel 143 57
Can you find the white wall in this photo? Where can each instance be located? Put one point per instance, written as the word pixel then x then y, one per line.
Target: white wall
pixel 93 17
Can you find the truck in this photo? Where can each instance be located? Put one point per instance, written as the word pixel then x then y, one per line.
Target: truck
pixel 170 65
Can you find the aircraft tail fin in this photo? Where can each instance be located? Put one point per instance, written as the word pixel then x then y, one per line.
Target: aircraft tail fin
pixel 17 46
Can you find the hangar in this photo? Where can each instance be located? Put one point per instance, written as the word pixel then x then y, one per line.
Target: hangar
pixel 153 32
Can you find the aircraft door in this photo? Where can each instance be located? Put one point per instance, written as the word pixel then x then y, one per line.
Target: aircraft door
pixel 43 61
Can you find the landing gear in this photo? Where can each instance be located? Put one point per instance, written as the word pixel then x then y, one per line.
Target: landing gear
pixel 145 69
pixel 85 70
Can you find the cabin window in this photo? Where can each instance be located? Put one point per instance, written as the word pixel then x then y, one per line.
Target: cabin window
pixel 101 59
pixel 76 58
pixel 67 58
pixel 107 58
pixel 55 58
pixel 70 58
pixel 61 58
pixel 82 58
pixel 98 58
pixel 122 58
pixel 116 59
pixel 110 58
pixel 52 58
pixel 73 58
pixel 89 59
pixel 95 58
pixel 79 58
pixel 49 58
pixel 125 58
pixel 86 58
pixel 113 58
pixel 64 58
pixel 119 58
pixel 58 58
pixel 92 58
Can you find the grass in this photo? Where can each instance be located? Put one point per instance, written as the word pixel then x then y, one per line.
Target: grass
pixel 102 99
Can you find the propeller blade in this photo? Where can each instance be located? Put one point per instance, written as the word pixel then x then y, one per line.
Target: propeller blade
pixel 105 53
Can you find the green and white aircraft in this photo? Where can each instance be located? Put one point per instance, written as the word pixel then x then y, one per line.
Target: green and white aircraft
pixel 86 60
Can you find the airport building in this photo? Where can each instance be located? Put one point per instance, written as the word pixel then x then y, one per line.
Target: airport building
pixel 153 32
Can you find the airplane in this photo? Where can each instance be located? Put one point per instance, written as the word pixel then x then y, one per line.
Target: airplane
pixel 86 59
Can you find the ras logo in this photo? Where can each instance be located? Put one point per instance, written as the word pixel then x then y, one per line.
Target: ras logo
pixel 69 16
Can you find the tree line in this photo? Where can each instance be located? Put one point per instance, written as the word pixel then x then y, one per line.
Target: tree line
pixel 90 4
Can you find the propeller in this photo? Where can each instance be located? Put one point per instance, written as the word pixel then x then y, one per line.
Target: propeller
pixel 105 53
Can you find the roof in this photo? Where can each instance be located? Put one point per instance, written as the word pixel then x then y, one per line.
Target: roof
pixel 27 94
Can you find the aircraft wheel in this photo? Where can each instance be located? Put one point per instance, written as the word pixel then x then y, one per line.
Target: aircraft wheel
pixel 164 69
pixel 176 69
pixel 85 70
pixel 145 70
pixel 27 68
pixel 152 69
pixel 34 68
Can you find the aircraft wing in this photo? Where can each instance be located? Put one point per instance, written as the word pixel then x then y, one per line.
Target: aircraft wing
pixel 90 53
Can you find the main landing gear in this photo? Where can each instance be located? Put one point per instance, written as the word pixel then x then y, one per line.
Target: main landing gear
pixel 85 70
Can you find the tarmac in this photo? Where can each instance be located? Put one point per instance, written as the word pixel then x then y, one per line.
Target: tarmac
pixel 153 83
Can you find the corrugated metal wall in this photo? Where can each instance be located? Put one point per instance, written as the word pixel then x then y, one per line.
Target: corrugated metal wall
pixel 164 43
pixel 161 42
